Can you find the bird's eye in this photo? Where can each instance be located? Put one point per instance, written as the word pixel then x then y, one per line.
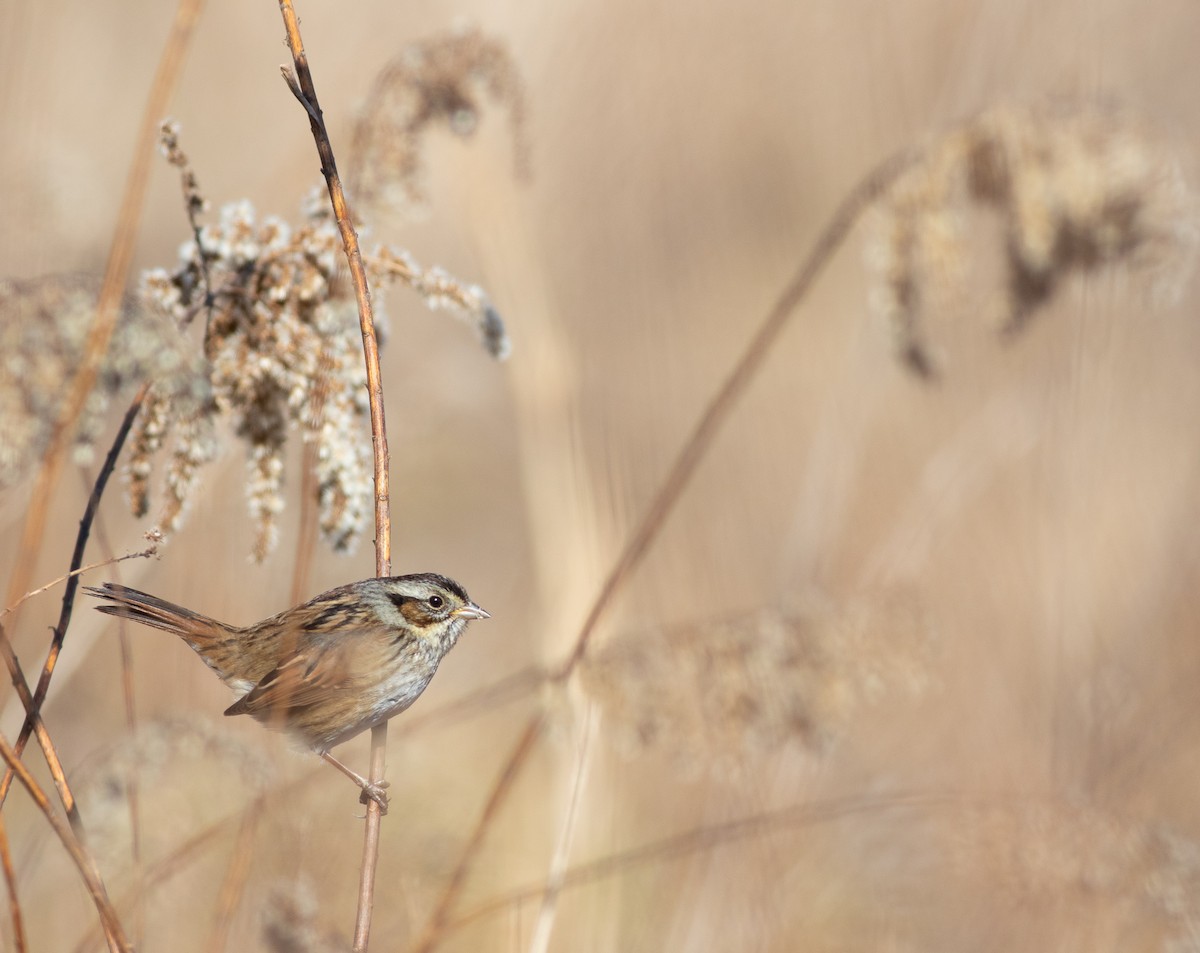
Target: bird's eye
pixel 436 601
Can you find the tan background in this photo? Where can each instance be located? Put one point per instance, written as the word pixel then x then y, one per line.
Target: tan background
pixel 1039 504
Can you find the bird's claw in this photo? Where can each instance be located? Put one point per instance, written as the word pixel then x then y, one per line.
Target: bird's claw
pixel 375 792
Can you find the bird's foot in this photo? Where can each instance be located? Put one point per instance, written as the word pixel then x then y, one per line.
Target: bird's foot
pixel 375 792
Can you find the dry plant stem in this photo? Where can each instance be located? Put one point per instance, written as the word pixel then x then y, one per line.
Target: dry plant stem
pixel 236 878
pixel 714 416
pixel 191 851
pixel 107 305
pixel 79 854
pixel 306 544
pixel 43 736
pixel 305 91
pixel 10 883
pixel 108 560
pixel 562 852
pixel 723 401
pixel 133 789
pixel 307 94
pixel 33 706
pixel 701 839
pixel 500 790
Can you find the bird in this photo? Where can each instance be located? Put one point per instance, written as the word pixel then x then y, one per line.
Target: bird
pixel 330 668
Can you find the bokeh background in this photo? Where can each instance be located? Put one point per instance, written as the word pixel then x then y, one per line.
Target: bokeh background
pixel 911 666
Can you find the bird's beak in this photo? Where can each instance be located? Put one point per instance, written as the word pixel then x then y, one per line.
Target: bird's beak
pixel 471 611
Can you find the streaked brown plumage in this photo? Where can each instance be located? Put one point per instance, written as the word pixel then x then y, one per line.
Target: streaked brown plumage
pixel 330 668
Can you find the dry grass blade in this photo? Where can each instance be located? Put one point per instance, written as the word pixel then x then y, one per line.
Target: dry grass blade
pixel 723 401
pixel 39 728
pixel 701 839
pixel 562 852
pixel 33 704
pixel 236 878
pixel 671 489
pixel 79 854
pixel 502 787
pixel 10 884
pixel 90 567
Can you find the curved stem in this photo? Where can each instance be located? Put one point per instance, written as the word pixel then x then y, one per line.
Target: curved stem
pixel 725 399
pixel 302 87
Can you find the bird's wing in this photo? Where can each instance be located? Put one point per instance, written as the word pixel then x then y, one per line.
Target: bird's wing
pixel 304 677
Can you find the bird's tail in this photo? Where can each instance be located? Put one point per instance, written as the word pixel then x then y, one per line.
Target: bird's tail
pixel 125 603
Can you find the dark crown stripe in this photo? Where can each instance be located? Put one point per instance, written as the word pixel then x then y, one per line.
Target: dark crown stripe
pixel 437 580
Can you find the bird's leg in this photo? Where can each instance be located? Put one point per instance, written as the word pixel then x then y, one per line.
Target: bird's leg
pixel 370 789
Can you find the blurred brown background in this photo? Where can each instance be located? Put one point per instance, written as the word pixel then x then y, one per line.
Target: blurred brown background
pixel 1037 506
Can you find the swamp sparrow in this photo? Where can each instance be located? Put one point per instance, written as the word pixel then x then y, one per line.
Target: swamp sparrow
pixel 325 670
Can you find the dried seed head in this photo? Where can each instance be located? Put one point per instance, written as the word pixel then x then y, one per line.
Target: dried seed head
pixel 283 347
pixel 290 922
pixel 719 693
pixel 44 324
pixel 1075 185
pixel 283 353
pixel 439 81
pixel 199 767
pixel 440 290
pixel 1052 852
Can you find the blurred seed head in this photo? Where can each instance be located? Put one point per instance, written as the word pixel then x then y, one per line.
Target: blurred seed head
pixel 440 81
pixel 198 770
pixel 720 694
pixel 290 922
pixel 1046 852
pixel 1076 185
pixel 44 324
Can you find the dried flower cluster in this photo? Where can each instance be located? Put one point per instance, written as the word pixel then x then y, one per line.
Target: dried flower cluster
pixel 1075 185
pixel 439 81
pixel 1048 852
pixel 44 324
pixel 440 291
pixel 718 692
pixel 282 343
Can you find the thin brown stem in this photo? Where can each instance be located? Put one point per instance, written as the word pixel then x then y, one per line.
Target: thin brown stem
pixel 304 90
pixel 133 787
pixel 697 445
pixel 107 306
pixel 236 878
pixel 306 543
pixel 33 705
pixel 555 877
pixel 50 753
pixel 108 560
pixel 722 403
pixel 500 790
pixel 194 849
pixel 79 854
pixel 698 840
pixel 10 884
